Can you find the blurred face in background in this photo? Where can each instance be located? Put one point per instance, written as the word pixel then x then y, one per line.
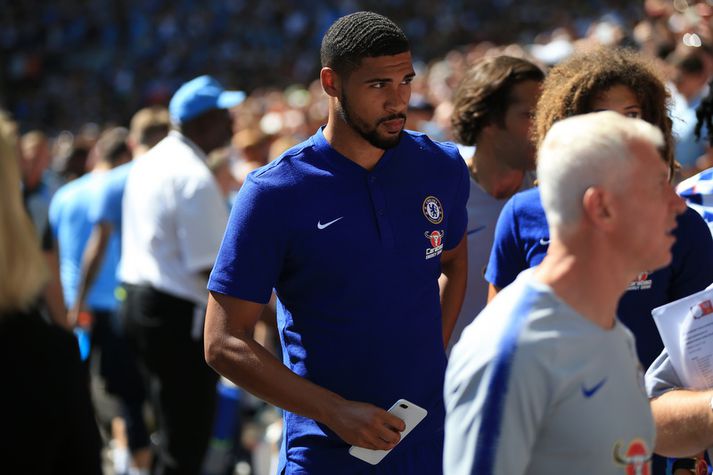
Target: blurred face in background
pixel 35 158
pixel 513 138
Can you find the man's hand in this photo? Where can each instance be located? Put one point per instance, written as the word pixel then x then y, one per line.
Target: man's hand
pixel 365 425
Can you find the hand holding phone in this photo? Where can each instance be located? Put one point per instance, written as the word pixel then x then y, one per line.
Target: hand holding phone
pixel 408 412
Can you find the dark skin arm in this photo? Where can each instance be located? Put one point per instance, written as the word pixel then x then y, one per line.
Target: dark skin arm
pixel 492 292
pixel 232 351
pixel 453 281
pixel 53 296
pixel 91 263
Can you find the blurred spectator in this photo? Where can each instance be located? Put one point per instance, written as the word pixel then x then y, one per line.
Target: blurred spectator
pixel 253 146
pixel 173 219
pixel 38 186
pixel 72 226
pixel 120 56
pixel 48 426
pixel 129 446
pixel 219 163
pixel 691 72
pixel 493 109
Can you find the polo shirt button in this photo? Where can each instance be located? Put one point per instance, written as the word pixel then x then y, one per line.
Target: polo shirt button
pixel 381 212
pixel 372 179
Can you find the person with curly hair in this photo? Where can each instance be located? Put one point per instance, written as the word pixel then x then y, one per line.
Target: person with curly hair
pixel 682 414
pixel 622 81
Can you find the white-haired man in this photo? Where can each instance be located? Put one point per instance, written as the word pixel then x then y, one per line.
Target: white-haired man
pixel 546 379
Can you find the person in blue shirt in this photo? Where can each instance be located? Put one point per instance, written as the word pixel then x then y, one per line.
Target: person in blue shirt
pixel 353 228
pixel 148 127
pixel 606 80
pixel 100 255
pixel 70 223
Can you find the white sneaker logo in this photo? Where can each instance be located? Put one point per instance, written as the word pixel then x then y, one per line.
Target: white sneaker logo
pixel 325 225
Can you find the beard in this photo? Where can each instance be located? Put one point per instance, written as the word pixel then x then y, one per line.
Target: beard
pixel 368 133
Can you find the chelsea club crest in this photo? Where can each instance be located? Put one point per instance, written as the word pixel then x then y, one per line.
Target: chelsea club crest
pixel 432 209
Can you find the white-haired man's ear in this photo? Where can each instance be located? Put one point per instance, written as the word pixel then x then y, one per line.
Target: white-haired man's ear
pixel 598 207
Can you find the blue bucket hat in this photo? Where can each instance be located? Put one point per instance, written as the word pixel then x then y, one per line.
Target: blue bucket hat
pixel 200 95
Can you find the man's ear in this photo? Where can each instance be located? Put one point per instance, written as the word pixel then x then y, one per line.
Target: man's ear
pixel 598 206
pixel 330 81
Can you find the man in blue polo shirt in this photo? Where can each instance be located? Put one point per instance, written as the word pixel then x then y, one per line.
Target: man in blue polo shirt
pixel 353 228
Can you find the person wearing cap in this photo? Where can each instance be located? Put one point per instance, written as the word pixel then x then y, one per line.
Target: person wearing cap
pixel 173 219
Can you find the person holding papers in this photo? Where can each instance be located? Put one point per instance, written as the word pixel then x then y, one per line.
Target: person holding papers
pixel 683 417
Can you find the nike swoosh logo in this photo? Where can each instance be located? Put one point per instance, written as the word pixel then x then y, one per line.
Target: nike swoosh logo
pixel 473 231
pixel 591 391
pixel 544 242
pixel 326 225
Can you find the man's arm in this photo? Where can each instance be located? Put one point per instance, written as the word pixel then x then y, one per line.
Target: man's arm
pixel 91 263
pixel 684 422
pixel 54 299
pixel 453 281
pixel 231 350
pixel 492 292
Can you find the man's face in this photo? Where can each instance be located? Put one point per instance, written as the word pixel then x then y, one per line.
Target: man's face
pixel 648 206
pixel 374 97
pixel 512 141
pixel 217 128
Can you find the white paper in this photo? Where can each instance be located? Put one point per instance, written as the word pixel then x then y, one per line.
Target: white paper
pixel 686 328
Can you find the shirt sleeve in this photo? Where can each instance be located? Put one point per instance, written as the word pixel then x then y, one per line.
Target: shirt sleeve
pixel 506 256
pixel 693 269
pixel 493 415
pixel 254 246
pixel 458 220
pixel 201 216
pixel 661 377
pixel 54 213
pixel 106 208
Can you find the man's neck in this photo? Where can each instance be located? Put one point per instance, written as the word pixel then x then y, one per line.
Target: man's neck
pixel 497 179
pixel 102 166
pixel 349 143
pixel 584 278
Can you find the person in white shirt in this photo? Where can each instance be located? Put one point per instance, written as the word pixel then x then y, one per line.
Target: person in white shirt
pixel 173 222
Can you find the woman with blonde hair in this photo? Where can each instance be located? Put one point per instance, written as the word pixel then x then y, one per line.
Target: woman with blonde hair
pixel 48 426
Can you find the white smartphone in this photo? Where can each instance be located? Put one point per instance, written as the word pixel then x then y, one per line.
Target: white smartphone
pixel 408 412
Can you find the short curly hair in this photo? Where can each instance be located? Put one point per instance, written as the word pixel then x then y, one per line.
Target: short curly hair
pixel 571 87
pixel 483 96
pixel 360 35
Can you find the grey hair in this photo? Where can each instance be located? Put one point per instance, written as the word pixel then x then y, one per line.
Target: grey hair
pixel 584 151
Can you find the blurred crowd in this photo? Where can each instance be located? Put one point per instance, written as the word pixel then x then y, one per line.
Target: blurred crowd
pixel 72 70
pixel 71 61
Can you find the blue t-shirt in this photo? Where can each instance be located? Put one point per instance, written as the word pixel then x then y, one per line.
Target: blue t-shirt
pixel 106 207
pixel 353 257
pixel 522 237
pixel 69 220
